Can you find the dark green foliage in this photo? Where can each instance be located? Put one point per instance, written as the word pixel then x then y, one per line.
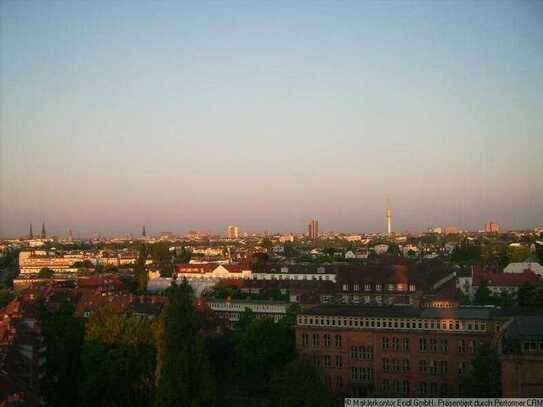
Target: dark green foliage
pixel 183 374
pixel 46 273
pixel 300 384
pixel 184 256
pixel 117 361
pixel 530 295
pixel 483 378
pixel 263 349
pixel 63 334
pixel 83 264
pixel 393 250
pixel 140 270
pixel 482 296
pixel 5 297
pixel 466 254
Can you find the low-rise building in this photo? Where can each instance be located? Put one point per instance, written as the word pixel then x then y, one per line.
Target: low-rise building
pixel 230 311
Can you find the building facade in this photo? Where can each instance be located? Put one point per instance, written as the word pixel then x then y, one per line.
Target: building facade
pixel 394 351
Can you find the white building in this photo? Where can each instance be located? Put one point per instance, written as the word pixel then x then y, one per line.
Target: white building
pixel 519 268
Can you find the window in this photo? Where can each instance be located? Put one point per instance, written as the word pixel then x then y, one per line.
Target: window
pixel 423 388
pixel 396 344
pixel 315 340
pixel 462 348
pixel 327 362
pixel 305 340
pixel 339 381
pixel 327 340
pixel 338 341
pixel 386 365
pixel 386 343
pixel 362 352
pixel 339 361
pixel 423 366
pixel 462 368
pixel 443 345
pixel 443 367
pixel 423 345
pixel 404 346
pixel 405 387
pixel 362 374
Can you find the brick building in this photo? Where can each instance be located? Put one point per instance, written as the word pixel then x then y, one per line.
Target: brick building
pixel 521 354
pixel 394 350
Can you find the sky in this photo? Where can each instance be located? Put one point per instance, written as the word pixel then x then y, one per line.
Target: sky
pixel 195 115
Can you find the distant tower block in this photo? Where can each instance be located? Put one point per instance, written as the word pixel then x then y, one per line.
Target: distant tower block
pixel 143 231
pixel 43 234
pixel 31 235
pixel 389 218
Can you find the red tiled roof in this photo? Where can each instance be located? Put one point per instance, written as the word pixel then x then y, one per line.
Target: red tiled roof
pixel 506 279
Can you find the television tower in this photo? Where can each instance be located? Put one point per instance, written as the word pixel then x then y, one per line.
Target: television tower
pixel 389 217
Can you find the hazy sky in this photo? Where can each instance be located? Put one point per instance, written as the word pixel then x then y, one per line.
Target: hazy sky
pixel 185 115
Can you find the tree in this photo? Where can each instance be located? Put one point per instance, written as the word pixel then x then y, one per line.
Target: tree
pixel 483 377
pixel 5 297
pixel 517 254
pixel 263 348
pixel 46 273
pixel 482 296
pixel 183 374
pixel 140 270
pixel 393 250
pixel 117 360
pixel 63 334
pixel 525 295
pixel 466 254
pixel 300 384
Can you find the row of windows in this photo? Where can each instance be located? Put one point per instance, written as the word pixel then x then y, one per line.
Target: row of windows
pixel 315 340
pixel 395 365
pixel 532 346
pixel 395 386
pixel 256 276
pixel 432 324
pixel 378 287
pixel 432 389
pixel 423 388
pixel 362 352
pixel 396 344
pixel 362 374
pixel 467 346
pixel 433 345
pixel 327 361
pixel 433 367
pixel 339 381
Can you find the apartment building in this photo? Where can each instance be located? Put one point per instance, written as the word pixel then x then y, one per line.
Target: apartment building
pixel 394 351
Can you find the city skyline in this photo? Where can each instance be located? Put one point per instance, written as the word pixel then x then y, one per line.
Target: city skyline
pixel 144 231
pixel 197 116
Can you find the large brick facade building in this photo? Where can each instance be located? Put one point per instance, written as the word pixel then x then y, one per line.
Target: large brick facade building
pixel 394 350
pixel 521 354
